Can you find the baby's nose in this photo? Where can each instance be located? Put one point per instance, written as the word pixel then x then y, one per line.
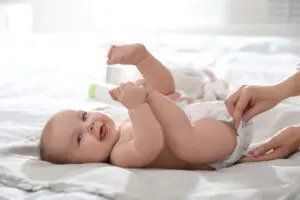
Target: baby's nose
pixel 91 127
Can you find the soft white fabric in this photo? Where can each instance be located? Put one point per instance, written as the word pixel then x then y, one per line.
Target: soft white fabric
pixel 21 168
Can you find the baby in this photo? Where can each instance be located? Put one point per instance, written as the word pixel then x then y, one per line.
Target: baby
pixel 160 132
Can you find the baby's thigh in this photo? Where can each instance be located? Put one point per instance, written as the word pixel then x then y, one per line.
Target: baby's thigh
pixel 217 138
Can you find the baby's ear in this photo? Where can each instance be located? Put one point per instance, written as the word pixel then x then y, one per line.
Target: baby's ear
pixel 115 93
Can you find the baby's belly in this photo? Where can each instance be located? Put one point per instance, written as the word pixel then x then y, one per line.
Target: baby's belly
pixel 167 160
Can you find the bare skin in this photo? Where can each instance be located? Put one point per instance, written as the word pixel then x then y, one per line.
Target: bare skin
pixel 158 133
pixel 250 101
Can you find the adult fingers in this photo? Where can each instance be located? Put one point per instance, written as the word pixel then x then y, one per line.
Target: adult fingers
pixel 240 108
pixel 231 101
pixel 263 149
pixel 276 154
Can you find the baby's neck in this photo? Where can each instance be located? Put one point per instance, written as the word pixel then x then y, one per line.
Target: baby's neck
pixel 122 131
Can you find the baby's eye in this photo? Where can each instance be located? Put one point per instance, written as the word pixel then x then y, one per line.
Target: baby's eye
pixel 79 137
pixel 84 115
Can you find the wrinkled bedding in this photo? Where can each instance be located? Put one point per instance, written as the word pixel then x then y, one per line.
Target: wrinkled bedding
pixel 42 74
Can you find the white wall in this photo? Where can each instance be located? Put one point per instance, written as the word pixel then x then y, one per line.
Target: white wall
pixel 201 16
pixel 3 19
pixel 15 16
pixel 61 15
pixel 251 16
pixel 84 15
pixel 247 11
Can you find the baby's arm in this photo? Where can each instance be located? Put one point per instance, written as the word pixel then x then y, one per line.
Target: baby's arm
pixel 147 140
pixel 147 133
pixel 207 141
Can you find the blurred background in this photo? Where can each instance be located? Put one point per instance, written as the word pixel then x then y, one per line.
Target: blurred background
pixel 262 17
pixel 63 39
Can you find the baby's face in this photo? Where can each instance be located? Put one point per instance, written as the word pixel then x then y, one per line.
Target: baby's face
pixel 80 136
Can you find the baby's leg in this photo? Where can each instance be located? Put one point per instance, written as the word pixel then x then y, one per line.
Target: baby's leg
pixel 213 141
pixel 130 54
pixel 152 70
pixel 206 141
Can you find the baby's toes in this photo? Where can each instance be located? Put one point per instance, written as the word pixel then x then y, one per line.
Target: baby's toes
pixel 140 82
pixel 110 57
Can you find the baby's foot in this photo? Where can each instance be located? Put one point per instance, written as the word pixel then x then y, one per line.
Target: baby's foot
pixel 132 54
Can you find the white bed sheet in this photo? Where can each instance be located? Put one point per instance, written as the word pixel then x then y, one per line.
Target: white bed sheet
pixel 40 75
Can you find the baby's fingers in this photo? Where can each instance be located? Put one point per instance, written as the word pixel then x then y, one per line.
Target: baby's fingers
pixel 124 86
pixel 115 93
pixel 144 84
pixel 140 82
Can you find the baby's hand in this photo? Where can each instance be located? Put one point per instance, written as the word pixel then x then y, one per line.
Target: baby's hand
pixel 129 94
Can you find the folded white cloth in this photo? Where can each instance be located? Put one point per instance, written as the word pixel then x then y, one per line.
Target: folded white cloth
pixel 200 84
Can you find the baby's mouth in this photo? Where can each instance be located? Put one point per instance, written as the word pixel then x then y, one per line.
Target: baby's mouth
pixel 102 132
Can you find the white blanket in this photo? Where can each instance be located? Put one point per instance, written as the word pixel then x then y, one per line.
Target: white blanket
pixel 21 168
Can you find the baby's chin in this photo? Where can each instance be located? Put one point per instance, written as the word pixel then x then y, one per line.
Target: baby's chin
pixel 112 135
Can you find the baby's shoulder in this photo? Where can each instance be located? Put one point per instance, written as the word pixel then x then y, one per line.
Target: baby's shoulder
pixel 126 131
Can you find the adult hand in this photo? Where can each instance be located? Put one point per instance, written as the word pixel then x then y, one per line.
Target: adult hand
pixel 281 146
pixel 249 101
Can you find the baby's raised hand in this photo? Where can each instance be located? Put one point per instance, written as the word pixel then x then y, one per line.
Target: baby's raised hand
pixel 130 94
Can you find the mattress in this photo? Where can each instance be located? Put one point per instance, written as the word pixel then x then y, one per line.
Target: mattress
pixel 41 74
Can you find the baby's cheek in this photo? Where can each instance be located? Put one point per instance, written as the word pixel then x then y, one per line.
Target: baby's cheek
pixel 89 150
pixel 90 141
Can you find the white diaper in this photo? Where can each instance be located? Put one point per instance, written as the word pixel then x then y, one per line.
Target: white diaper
pixel 217 110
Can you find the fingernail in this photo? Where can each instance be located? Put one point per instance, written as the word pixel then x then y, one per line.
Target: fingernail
pixel 256 153
pixel 236 125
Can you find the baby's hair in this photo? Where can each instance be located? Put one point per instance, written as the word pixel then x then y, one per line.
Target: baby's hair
pixel 42 151
pixel 44 154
